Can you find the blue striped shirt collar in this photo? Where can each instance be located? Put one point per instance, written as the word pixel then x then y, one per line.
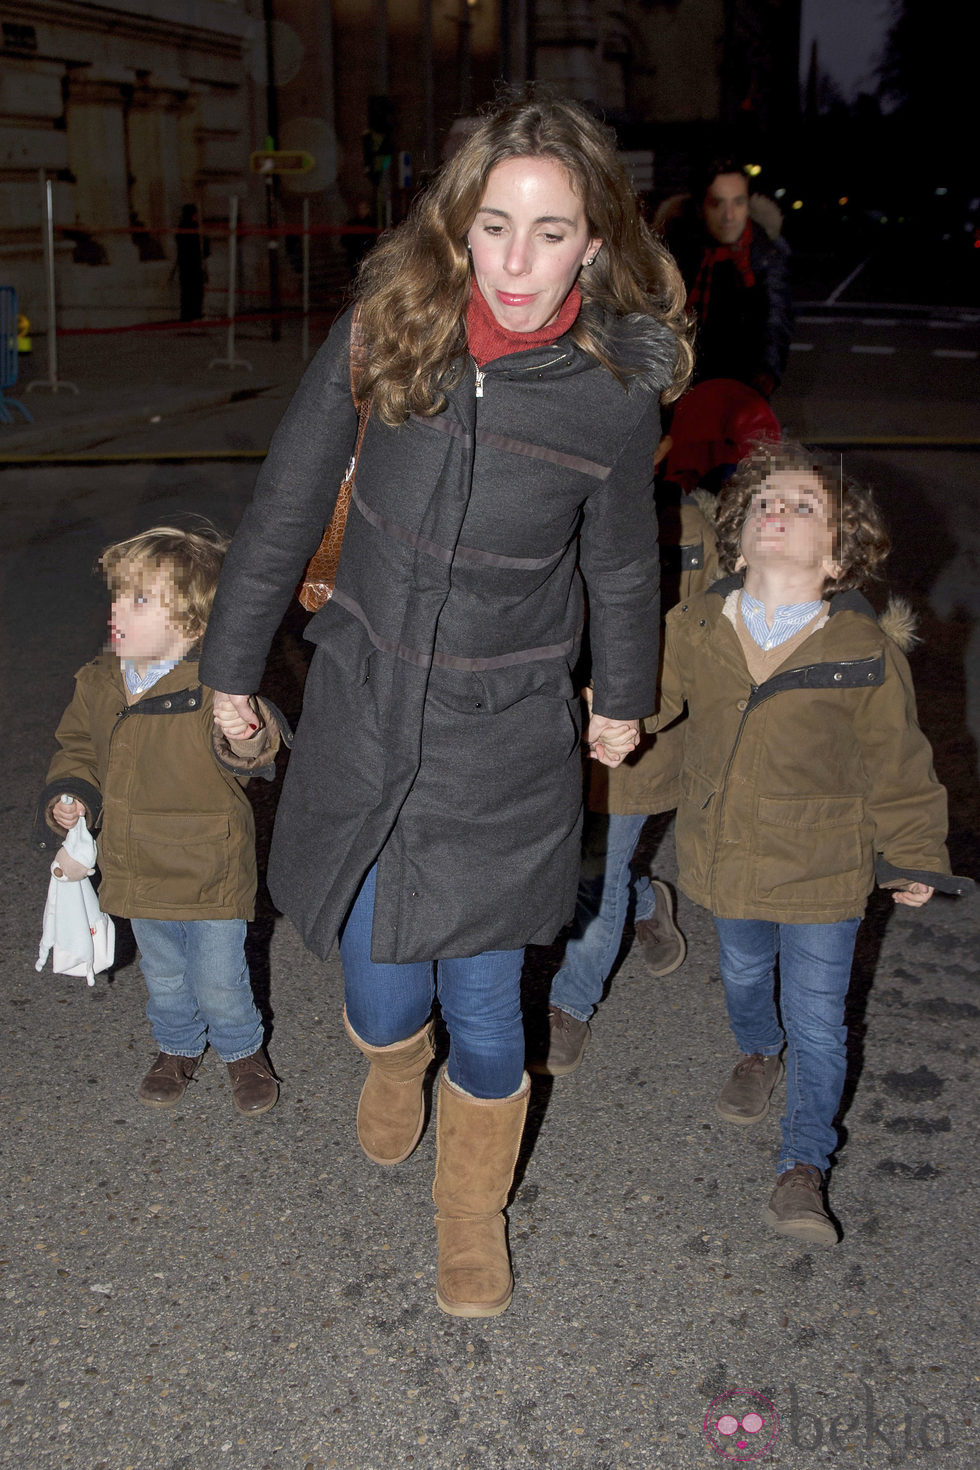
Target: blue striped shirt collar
pixel 789 620
pixel 141 683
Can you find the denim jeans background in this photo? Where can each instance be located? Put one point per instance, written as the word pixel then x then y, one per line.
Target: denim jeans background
pixel 199 986
pixel 814 974
pixel 609 893
pixel 480 999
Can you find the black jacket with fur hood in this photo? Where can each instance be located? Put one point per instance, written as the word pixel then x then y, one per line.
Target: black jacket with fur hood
pixel 440 727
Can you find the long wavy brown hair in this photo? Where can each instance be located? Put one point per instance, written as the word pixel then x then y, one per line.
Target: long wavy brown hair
pixel 414 286
pixel 861 541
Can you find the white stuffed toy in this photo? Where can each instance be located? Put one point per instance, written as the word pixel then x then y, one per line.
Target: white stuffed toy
pixel 82 938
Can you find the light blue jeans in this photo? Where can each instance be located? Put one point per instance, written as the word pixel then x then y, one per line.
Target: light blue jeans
pixel 480 999
pixel 199 987
pixel 814 974
pixel 609 893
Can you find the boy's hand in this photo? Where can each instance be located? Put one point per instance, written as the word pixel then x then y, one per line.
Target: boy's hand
pixel 67 813
pixel 235 716
pixel 610 741
pixel 915 895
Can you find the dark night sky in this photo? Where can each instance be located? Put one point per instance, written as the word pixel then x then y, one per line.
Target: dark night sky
pixel 850 36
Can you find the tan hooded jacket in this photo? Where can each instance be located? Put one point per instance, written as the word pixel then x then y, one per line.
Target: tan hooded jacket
pixel 177 838
pixel 793 791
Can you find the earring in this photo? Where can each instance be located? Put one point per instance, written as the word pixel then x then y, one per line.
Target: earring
pixel 591 260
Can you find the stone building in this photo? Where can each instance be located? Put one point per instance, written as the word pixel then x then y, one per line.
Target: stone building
pixel 131 108
pixel 134 108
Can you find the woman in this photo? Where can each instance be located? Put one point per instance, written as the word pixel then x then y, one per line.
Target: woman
pixel 518 331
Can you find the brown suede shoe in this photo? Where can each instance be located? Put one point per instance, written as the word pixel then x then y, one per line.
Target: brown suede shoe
pixel 563 1045
pixel 254 1089
pixel 796 1207
pixel 745 1096
pixel 166 1081
pixel 662 944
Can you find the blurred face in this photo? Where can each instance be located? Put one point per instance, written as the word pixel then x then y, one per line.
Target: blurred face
pixel 529 241
pixel 790 525
pixel 726 208
pixel 140 624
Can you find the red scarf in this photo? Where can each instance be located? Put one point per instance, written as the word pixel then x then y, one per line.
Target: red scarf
pixel 699 296
pixel 488 339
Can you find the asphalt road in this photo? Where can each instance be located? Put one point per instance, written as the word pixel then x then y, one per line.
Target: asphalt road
pixel 188 1289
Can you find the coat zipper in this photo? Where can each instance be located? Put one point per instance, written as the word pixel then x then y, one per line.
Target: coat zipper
pixel 537 368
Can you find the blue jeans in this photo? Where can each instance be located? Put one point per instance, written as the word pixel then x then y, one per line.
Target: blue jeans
pixel 199 987
pixel 814 973
pixel 480 999
pixel 608 890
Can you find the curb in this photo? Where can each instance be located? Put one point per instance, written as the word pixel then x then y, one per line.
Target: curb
pixel 40 442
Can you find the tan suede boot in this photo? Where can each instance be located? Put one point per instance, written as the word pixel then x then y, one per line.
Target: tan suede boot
pixel 391 1110
pixel 477 1142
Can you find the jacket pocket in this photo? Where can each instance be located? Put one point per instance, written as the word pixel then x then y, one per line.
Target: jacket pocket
pixel 811 849
pixel 180 859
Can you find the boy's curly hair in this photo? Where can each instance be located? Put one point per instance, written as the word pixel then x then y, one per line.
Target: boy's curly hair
pixel 189 561
pixel 861 542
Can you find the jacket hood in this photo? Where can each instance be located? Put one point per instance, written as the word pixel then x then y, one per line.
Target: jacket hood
pixel 639 346
pixel 707 504
pixel 680 210
pixel 899 622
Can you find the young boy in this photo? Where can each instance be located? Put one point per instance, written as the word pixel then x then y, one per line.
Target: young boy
pixel 140 756
pixel 805 773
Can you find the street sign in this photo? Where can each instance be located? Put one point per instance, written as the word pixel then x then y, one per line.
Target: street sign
pixel 281 161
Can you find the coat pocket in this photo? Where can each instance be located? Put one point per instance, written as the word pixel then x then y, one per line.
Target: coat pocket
pixel 811 849
pixel 180 859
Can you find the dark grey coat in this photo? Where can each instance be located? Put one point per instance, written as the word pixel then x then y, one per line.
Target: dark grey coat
pixel 440 728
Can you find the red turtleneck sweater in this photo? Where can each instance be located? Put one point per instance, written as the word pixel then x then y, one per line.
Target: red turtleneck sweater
pixel 488 339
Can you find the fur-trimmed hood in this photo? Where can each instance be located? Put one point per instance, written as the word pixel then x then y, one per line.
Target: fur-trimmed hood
pixel 680 212
pixel 899 621
pixel 640 347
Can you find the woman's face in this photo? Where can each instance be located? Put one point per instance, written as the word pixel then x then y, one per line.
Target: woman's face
pixel 529 241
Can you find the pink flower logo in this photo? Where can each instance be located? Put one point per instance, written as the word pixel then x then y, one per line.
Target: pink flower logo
pixel 741 1425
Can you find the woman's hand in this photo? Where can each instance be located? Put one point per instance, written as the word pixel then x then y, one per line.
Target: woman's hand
pixel 915 895
pixel 234 715
pixel 610 741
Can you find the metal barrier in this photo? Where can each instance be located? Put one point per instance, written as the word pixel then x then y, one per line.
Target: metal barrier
pixel 321 256
pixel 9 362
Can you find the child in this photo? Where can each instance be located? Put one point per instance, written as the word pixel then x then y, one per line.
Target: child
pixel 804 773
pixel 140 758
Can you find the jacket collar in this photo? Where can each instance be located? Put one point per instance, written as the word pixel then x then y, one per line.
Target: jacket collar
pixel 639 346
pixel 838 602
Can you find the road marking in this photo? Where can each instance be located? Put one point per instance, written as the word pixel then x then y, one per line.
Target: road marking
pixel 878 321
pixel 947 326
pixel 839 290
pixel 801 347
pixel 871 351
pixel 963 355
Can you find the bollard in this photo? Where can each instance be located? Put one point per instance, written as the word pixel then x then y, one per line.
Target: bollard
pixel 230 360
pixel 52 381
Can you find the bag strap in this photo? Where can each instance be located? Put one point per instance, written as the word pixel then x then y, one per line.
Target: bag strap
pixel 356 358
